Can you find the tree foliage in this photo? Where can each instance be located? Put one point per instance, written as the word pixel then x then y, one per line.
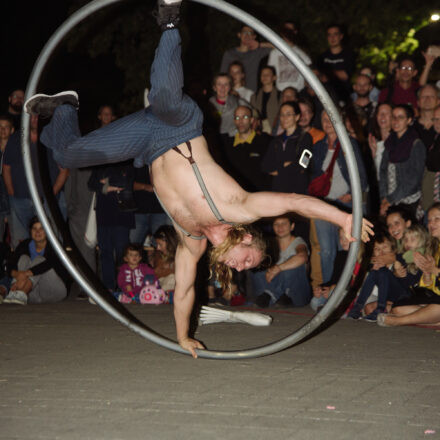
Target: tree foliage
pixel 377 30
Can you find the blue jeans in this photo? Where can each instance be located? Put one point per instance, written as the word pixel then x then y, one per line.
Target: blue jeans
pixel 293 282
pixel 111 241
pixel 389 288
pixel 147 224
pixel 22 211
pixel 329 242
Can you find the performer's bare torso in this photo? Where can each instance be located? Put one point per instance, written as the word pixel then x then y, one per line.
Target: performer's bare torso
pixel 176 185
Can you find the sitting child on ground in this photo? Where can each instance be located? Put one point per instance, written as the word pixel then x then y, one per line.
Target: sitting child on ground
pixel 380 275
pixel 137 280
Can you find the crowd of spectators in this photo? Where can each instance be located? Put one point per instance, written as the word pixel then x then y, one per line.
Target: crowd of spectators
pixel 268 129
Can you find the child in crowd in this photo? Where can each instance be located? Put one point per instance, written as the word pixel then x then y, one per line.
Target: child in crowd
pixel 322 293
pixel 132 274
pixel 389 289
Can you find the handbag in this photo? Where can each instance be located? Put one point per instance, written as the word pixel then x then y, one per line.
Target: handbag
pixel 91 233
pixel 320 186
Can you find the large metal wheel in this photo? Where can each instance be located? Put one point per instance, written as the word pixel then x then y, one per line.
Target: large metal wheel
pixel 126 318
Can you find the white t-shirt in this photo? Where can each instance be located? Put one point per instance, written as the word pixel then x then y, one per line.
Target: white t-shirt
pixel 339 186
pixel 290 250
pixel 287 74
pixel 245 94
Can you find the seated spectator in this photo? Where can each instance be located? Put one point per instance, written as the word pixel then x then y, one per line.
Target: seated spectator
pixel 163 259
pixel 305 121
pixel 340 189
pixel 322 293
pixel 113 185
pixel 287 74
pixel 236 72
pixel 250 53
pixel 131 275
pixel 224 104
pixel 403 89
pixel 398 220
pixel 244 152
pixel 403 163
pixel 285 282
pixel 423 307
pixel 431 178
pixel 38 276
pixel 267 99
pixel 390 287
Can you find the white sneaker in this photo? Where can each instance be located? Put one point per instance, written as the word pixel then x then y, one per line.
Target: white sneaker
pixel 44 105
pixel 16 297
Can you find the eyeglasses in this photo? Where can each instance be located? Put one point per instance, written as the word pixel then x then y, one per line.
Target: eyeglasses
pixel 248 33
pixel 400 117
pixel 284 115
pixel 409 68
pixel 245 117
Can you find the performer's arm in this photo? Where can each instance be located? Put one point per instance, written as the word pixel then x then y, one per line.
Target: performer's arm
pixel 187 256
pixel 268 204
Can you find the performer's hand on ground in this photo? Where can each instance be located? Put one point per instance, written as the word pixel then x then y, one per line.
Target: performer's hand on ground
pixel 367 229
pixel 191 345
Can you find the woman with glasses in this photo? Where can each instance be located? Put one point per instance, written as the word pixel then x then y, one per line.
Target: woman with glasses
pixel 403 163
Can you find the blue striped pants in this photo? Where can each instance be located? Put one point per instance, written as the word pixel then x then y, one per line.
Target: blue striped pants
pixel 171 119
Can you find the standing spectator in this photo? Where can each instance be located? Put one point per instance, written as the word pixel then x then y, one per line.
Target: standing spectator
pixel 224 104
pixel 267 99
pixel 6 130
pixel 362 86
pixel 287 74
pixel 337 63
pixel 305 121
pixel 427 101
pixel 431 178
pixel 374 92
pixel 245 152
pixel 404 87
pixel 236 72
pixel 285 282
pixel 15 107
pixel 282 160
pixel 285 159
pixel 381 129
pixel 38 276
pixel 403 163
pixel 78 199
pixel 340 190
pixel 113 220
pixel 149 215
pixel 250 53
pixel 20 201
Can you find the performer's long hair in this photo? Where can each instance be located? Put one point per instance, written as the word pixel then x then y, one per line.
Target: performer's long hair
pixel 235 236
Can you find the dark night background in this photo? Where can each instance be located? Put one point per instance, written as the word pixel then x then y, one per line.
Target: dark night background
pixel 107 57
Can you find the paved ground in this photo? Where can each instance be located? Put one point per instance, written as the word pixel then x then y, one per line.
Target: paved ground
pixel 69 371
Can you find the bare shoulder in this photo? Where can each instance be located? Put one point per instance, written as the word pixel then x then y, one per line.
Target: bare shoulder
pixel 190 248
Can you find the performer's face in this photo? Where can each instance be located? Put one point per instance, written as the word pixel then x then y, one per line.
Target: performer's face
pixel 242 256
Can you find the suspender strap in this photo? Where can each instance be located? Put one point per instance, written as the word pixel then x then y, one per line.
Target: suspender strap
pixel 199 178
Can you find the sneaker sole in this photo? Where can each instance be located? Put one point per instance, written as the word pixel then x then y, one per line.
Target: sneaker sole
pixel 44 105
pixel 15 301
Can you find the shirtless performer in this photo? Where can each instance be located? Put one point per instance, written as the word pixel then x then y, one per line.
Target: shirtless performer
pixel 204 202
